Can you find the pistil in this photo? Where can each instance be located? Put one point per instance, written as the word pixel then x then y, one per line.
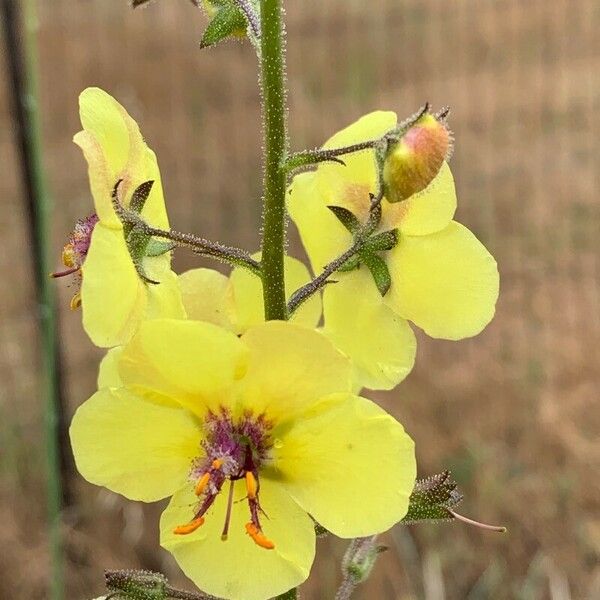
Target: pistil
pixel 225 533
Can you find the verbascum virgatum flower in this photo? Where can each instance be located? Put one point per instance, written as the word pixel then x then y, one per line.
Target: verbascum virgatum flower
pixel 252 437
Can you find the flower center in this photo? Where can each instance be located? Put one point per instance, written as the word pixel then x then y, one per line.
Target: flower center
pixel 75 251
pixel 234 449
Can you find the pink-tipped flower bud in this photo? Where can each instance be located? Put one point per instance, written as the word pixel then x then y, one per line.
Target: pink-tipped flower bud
pixel 413 162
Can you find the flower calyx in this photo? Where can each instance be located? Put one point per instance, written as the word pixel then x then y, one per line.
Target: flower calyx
pixel 137 233
pixel 137 585
pixel 368 244
pixel 434 499
pixel 230 18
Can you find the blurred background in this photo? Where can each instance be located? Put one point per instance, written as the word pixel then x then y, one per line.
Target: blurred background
pixel 513 412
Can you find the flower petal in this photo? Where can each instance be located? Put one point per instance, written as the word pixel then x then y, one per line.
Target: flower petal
pixel 247 294
pixel 237 568
pixel 425 212
pixel 446 283
pixel 191 362
pixel 349 184
pixel 380 344
pixel 115 149
pixel 206 297
pixel 108 371
pixel 349 464
pixel 137 448
pixel 289 368
pixel 112 295
pixel 114 298
pixel 323 236
pixel 369 127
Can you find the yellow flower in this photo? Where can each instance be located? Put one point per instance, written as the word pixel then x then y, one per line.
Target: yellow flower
pixel 114 298
pixel 236 302
pixel 443 278
pixel 249 436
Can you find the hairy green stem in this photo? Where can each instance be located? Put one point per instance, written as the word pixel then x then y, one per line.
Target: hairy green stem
pixel 275 148
pixel 22 58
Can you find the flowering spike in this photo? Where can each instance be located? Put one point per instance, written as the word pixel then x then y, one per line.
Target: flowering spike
pixel 413 161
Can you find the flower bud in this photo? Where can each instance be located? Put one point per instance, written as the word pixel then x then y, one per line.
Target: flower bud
pixel 413 162
pixel 137 585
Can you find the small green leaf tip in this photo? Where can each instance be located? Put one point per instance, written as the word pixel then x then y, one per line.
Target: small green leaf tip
pixel 346 218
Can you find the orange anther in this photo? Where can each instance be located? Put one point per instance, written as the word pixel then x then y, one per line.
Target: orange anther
pixel 251 529
pixel 217 463
pixel 251 485
pixel 189 527
pixel 263 542
pixel 258 537
pixel 202 483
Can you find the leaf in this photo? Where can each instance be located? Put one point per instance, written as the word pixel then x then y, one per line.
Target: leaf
pixel 432 498
pixel 228 21
pixel 379 271
pixel 346 218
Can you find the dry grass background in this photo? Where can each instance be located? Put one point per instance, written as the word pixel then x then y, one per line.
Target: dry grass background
pixel 514 412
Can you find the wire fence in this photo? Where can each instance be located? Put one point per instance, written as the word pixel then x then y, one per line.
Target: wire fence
pixel 512 411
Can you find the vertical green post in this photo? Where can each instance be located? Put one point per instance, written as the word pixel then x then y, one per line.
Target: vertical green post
pixel 22 63
pixel 275 148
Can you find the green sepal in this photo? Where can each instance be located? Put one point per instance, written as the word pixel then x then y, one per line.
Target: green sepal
pixel 346 218
pixel 228 20
pixel 383 241
pixel 158 248
pixel 432 498
pixel 137 243
pixel 137 585
pixel 379 271
pixel 140 195
pixel 352 263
